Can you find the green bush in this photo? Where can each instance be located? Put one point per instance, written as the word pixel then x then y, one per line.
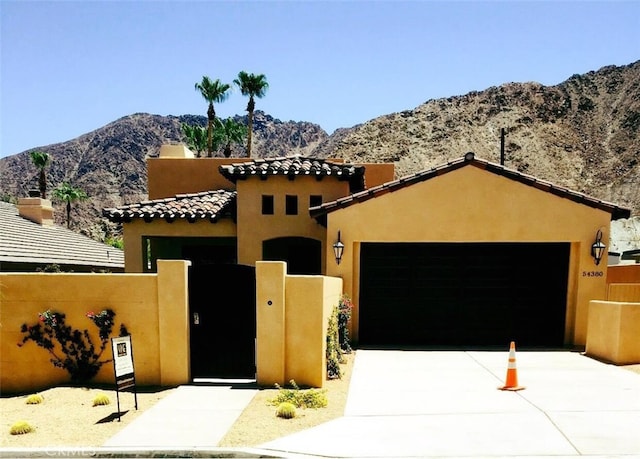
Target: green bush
pixel 34 399
pixel 300 398
pixel 286 410
pixel 20 428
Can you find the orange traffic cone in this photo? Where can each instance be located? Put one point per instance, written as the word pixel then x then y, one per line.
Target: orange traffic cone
pixel 512 373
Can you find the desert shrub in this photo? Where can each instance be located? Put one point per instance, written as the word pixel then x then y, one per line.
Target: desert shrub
pixel 75 351
pixel 300 398
pixel 101 399
pixel 345 307
pixel 286 410
pixel 34 399
pixel 334 353
pixel 20 428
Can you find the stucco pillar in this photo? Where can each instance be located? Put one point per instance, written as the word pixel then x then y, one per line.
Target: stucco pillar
pixel 270 321
pixel 173 321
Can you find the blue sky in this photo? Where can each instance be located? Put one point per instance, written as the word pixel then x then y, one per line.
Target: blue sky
pixel 67 68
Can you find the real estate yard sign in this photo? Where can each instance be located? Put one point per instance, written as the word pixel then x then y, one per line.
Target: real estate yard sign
pixel 123 367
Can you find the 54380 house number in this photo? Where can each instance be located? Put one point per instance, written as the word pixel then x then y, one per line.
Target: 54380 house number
pixel 592 273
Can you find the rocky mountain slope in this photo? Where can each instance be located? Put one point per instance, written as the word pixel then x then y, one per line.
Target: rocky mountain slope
pixel 109 164
pixel 583 134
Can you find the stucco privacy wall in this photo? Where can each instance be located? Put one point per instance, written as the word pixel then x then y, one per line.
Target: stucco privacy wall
pixel 614 325
pixel 153 307
pixel 292 315
pixel 613 331
pixel 473 205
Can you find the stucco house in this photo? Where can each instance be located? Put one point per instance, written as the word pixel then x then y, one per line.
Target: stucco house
pixel 29 240
pixel 467 254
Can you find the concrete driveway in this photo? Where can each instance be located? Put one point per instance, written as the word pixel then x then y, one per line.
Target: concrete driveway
pixel 446 404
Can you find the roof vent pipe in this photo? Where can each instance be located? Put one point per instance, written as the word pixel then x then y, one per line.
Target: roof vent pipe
pixel 502 146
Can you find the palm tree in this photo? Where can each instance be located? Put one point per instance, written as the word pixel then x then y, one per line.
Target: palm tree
pixel 212 91
pixel 253 86
pixel 41 160
pixel 228 132
pixel 68 194
pixel 195 137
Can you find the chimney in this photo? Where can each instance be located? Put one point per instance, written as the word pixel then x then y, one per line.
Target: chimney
pixel 175 151
pixel 37 210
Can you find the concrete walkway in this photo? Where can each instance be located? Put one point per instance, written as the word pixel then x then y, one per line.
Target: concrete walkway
pixel 192 417
pixel 446 404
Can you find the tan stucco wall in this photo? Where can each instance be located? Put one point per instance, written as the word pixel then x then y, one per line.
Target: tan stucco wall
pixel 254 228
pixel 629 293
pixel 309 301
pixel 270 322
pixel 292 314
pixel 134 232
pixel 473 205
pixel 170 176
pixel 613 332
pixel 160 339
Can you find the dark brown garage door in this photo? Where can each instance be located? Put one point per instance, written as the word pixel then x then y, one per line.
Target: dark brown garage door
pixel 463 294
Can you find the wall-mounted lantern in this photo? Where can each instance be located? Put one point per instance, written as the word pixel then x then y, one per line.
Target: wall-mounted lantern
pixel 338 249
pixel 598 248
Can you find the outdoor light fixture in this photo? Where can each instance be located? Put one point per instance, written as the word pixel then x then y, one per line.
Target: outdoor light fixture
pixel 338 249
pixel 598 248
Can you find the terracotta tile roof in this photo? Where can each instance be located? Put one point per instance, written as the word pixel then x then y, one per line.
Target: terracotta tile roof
pixel 23 241
pixel 470 160
pixel 292 167
pixel 209 205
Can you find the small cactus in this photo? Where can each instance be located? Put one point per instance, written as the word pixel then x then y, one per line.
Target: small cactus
pixel 20 428
pixel 101 399
pixel 34 399
pixel 286 410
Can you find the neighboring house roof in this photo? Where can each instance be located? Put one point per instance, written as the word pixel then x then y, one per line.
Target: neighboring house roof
pixel 23 241
pixel 292 167
pixel 192 207
pixel 469 160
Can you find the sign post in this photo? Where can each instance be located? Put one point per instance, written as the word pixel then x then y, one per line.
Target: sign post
pixel 123 367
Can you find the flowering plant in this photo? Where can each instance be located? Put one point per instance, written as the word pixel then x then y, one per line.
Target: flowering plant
pixel 345 307
pixel 75 350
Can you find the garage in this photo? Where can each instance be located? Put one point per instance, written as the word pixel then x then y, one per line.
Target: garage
pixel 463 294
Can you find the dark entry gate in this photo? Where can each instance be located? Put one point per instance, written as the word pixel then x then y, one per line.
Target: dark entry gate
pixel 223 320
pixel 463 294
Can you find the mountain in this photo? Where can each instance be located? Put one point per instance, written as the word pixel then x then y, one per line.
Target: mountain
pixel 583 134
pixel 109 164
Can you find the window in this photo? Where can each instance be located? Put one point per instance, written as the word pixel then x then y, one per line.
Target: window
pixel 315 200
pixel 267 204
pixel 291 205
